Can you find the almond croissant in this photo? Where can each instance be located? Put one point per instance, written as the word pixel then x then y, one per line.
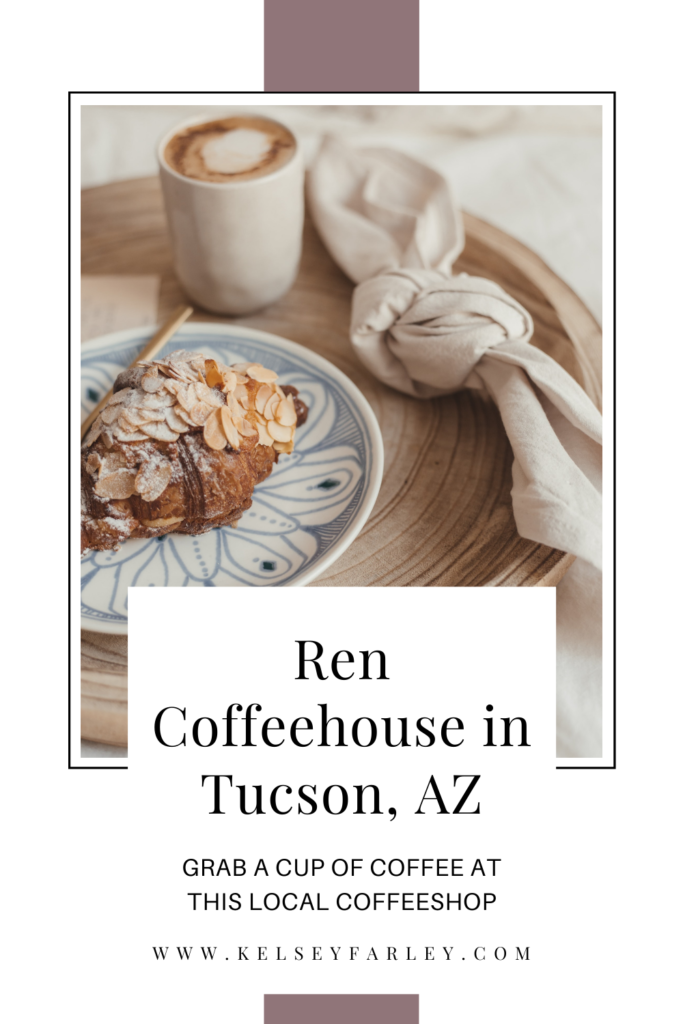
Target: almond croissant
pixel 180 447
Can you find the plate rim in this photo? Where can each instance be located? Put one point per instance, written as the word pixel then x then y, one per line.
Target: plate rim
pixel 374 432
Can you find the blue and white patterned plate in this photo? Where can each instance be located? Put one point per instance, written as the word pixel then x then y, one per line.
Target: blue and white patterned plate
pixel 303 516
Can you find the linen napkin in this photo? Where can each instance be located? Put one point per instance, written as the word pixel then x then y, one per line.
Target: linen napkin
pixel 390 223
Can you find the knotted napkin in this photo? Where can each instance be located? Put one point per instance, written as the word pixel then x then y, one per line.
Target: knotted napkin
pixel 391 225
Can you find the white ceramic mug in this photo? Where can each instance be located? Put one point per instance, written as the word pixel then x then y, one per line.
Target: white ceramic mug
pixel 236 245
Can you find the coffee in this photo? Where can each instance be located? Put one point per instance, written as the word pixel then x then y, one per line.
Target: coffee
pixel 234 195
pixel 230 149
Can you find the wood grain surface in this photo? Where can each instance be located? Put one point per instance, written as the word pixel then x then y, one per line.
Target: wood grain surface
pixel 444 512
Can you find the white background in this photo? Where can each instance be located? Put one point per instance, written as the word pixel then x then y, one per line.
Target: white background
pixel 616 836
pixel 440 664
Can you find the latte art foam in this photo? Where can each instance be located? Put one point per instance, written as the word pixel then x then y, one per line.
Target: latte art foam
pixel 241 149
pixel 231 149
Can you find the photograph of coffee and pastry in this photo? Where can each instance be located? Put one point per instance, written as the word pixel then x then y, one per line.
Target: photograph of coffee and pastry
pixel 341 346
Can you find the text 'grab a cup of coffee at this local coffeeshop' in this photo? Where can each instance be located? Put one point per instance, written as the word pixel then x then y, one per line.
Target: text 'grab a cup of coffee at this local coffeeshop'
pixel 234 195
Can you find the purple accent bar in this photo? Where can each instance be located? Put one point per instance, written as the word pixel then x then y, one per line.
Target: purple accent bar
pixel 342 45
pixel 341 1009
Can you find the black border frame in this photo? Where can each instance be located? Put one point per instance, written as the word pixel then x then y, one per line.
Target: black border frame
pixel 255 92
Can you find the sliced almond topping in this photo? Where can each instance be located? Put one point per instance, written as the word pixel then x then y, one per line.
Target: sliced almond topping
pixel 159 431
pixel 175 422
pixel 229 380
pixel 120 484
pixel 213 398
pixel 264 436
pixel 110 414
pixel 200 413
pixel 120 396
pixel 153 479
pixel 189 396
pixel 214 434
pixel 185 372
pixel 185 390
pixel 111 462
pixel 179 355
pixel 285 448
pixel 152 382
pixel 149 402
pixel 171 372
pixel 130 417
pixel 259 373
pixel 286 413
pixel 183 415
pixel 184 398
pixel 93 463
pixel 133 425
pixel 230 429
pixel 94 432
pixel 278 432
pixel 139 416
pixel 262 396
pixel 246 429
pixel 271 406
pixel 127 425
pixel 236 410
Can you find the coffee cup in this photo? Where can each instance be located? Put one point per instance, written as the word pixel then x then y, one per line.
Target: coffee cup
pixel 233 190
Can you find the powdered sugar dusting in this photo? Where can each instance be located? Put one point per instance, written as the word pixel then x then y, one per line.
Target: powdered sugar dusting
pixel 175 396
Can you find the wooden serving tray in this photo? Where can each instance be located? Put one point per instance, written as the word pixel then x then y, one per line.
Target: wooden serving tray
pixel 444 512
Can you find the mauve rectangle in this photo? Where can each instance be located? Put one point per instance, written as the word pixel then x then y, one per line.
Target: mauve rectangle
pixel 341 1009
pixel 342 45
